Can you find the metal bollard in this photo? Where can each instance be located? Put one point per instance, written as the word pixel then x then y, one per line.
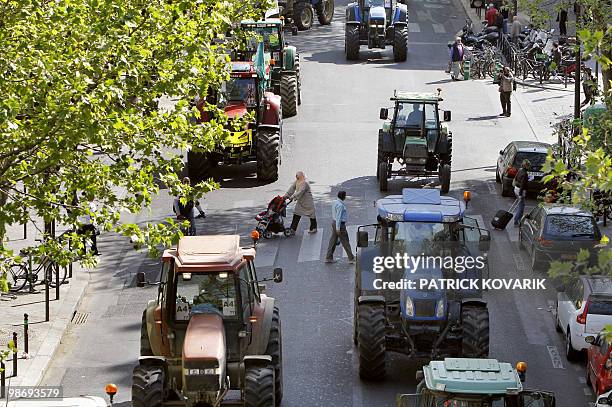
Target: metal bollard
pixel 2 380
pixel 26 336
pixel 47 269
pixel 15 354
pixel 57 280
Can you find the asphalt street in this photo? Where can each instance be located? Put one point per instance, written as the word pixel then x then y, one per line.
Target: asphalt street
pixel 333 140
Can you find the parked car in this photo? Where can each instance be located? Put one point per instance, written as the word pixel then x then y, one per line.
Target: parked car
pixel 557 232
pixel 511 158
pixel 604 400
pixel 599 363
pixel 584 308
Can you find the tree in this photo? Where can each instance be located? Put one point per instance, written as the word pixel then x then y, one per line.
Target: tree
pixel 82 83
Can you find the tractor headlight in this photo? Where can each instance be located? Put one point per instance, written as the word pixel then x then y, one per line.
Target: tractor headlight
pixel 410 160
pixel 198 372
pixel 395 217
pixel 450 219
pixel 440 309
pixel 409 306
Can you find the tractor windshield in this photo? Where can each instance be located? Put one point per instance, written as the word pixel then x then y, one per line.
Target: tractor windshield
pixel 416 115
pixel 240 90
pixel 205 292
pixel 269 36
pixel 376 3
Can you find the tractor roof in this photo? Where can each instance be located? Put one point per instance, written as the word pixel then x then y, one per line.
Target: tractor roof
pixel 471 376
pixel 208 253
pixel 269 22
pixel 243 66
pixel 420 205
pixel 416 97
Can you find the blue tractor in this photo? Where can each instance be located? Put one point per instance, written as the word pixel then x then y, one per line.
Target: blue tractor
pixel 376 23
pixel 416 292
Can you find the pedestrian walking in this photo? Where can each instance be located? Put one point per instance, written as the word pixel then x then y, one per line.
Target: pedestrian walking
pixel 490 15
pixel 339 218
pixel 88 228
pixel 520 183
pixel 186 210
pixel 301 194
pixel 562 20
pixel 506 83
pixel 456 59
pixel 515 30
pixel 505 12
pixel 589 86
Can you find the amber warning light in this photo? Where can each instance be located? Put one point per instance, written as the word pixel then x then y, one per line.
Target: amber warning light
pixel 111 390
pixel 255 235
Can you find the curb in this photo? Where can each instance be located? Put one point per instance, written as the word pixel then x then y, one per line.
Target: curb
pixel 34 373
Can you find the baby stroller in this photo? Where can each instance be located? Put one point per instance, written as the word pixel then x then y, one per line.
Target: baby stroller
pixel 271 221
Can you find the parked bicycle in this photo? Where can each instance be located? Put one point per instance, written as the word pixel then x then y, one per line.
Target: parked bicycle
pixel 20 274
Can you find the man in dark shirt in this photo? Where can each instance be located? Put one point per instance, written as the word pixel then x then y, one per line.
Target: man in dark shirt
pixel 520 183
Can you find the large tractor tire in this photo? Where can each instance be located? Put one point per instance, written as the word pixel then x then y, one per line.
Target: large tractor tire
pixel 475 341
pixel 198 166
pixel 303 15
pixel 325 11
pixel 351 42
pixel 289 93
pixel 259 387
pixel 145 344
pixel 296 68
pixel 148 386
pixel 445 177
pixel 268 154
pixel 371 341
pixel 383 172
pixel 275 349
pixel 400 44
pixel 380 156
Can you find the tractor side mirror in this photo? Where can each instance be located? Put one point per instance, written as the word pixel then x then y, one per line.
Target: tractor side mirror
pixel 447 115
pixel 362 239
pixel 141 280
pixel 590 339
pixel 484 243
pixel 419 376
pixel 501 152
pixel 277 275
pixel 384 113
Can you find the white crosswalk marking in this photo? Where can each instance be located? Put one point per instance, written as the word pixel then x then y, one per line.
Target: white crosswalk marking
pixel 352 233
pixel 266 254
pixel 481 221
pixel 310 249
pixel 414 28
pixel 243 204
pixel 438 28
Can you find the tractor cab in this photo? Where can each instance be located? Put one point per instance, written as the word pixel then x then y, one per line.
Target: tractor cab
pixel 270 32
pixel 460 382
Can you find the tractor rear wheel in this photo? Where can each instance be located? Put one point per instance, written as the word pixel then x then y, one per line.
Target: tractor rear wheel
pixel 383 172
pixel 325 11
pixel 289 94
pixel 268 154
pixel 445 177
pixel 475 341
pixel 198 166
pixel 371 341
pixel 148 386
pixel 145 344
pixel 275 349
pixel 351 42
pixel 296 68
pixel 259 387
pixel 303 15
pixel 400 44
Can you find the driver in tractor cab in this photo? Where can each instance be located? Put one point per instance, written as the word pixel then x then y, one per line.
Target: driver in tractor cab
pixel 212 291
pixel 415 118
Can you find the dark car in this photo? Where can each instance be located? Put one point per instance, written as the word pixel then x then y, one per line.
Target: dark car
pixel 511 158
pixel 557 232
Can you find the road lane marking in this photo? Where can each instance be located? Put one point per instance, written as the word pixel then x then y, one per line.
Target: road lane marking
pixel 310 248
pixel 512 231
pixel 491 187
pixel 480 220
pixel 518 262
pixel 438 28
pixel 555 357
pixel 582 380
pixel 414 28
pixel 587 391
pixel 352 233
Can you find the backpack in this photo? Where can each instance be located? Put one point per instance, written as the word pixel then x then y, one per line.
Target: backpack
pixel 185 210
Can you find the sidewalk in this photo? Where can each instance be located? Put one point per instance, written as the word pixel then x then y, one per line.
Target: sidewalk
pixel 44 337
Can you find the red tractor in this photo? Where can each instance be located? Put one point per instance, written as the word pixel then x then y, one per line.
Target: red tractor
pixel 260 140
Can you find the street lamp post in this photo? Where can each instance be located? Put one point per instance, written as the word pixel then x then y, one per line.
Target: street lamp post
pixel 578 70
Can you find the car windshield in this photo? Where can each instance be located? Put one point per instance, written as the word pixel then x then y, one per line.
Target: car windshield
pixel 269 36
pixel 537 160
pixel 412 114
pixel 240 90
pixel 570 227
pixel 205 292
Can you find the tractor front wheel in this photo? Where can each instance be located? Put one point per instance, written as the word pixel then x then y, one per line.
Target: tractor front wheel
pixel 444 177
pixel 475 341
pixel 268 154
pixel 371 341
pixel 303 15
pixel 259 387
pixel 383 172
pixel 148 386
pixel 351 42
pixel 400 44
pixel 289 94
pixel 325 11
pixel 275 350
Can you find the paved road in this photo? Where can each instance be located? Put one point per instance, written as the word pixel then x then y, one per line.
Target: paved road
pixel 333 139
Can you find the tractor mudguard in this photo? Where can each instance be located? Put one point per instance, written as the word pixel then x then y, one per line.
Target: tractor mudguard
pixel 371 299
pixel 388 144
pixel 257 361
pixel 442 147
pixel 272 109
pixel 400 17
pixel 289 53
pixel 157 331
pixel 353 13
pixel 261 329
pixel 153 361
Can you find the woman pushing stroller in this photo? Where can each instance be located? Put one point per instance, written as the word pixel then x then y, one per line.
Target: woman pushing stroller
pixel 304 203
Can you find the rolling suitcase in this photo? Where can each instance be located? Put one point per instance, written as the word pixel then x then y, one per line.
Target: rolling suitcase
pixel 502 217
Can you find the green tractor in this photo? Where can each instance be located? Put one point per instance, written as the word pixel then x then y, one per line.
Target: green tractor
pixel 282 58
pixel 413 133
pixel 461 382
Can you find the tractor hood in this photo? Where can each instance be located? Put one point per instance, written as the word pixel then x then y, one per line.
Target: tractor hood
pixel 422 302
pixel 378 14
pixel 420 205
pixel 236 110
pixel 204 344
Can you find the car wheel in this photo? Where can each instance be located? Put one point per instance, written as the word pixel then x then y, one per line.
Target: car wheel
pixel 557 324
pixel 497 177
pixel 535 261
pixel 505 190
pixel 570 352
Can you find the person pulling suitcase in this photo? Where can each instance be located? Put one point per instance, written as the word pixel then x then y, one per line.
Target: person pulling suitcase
pixel 520 183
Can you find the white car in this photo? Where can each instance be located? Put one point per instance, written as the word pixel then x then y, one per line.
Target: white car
pixel 584 308
pixel 88 401
pixel 604 400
